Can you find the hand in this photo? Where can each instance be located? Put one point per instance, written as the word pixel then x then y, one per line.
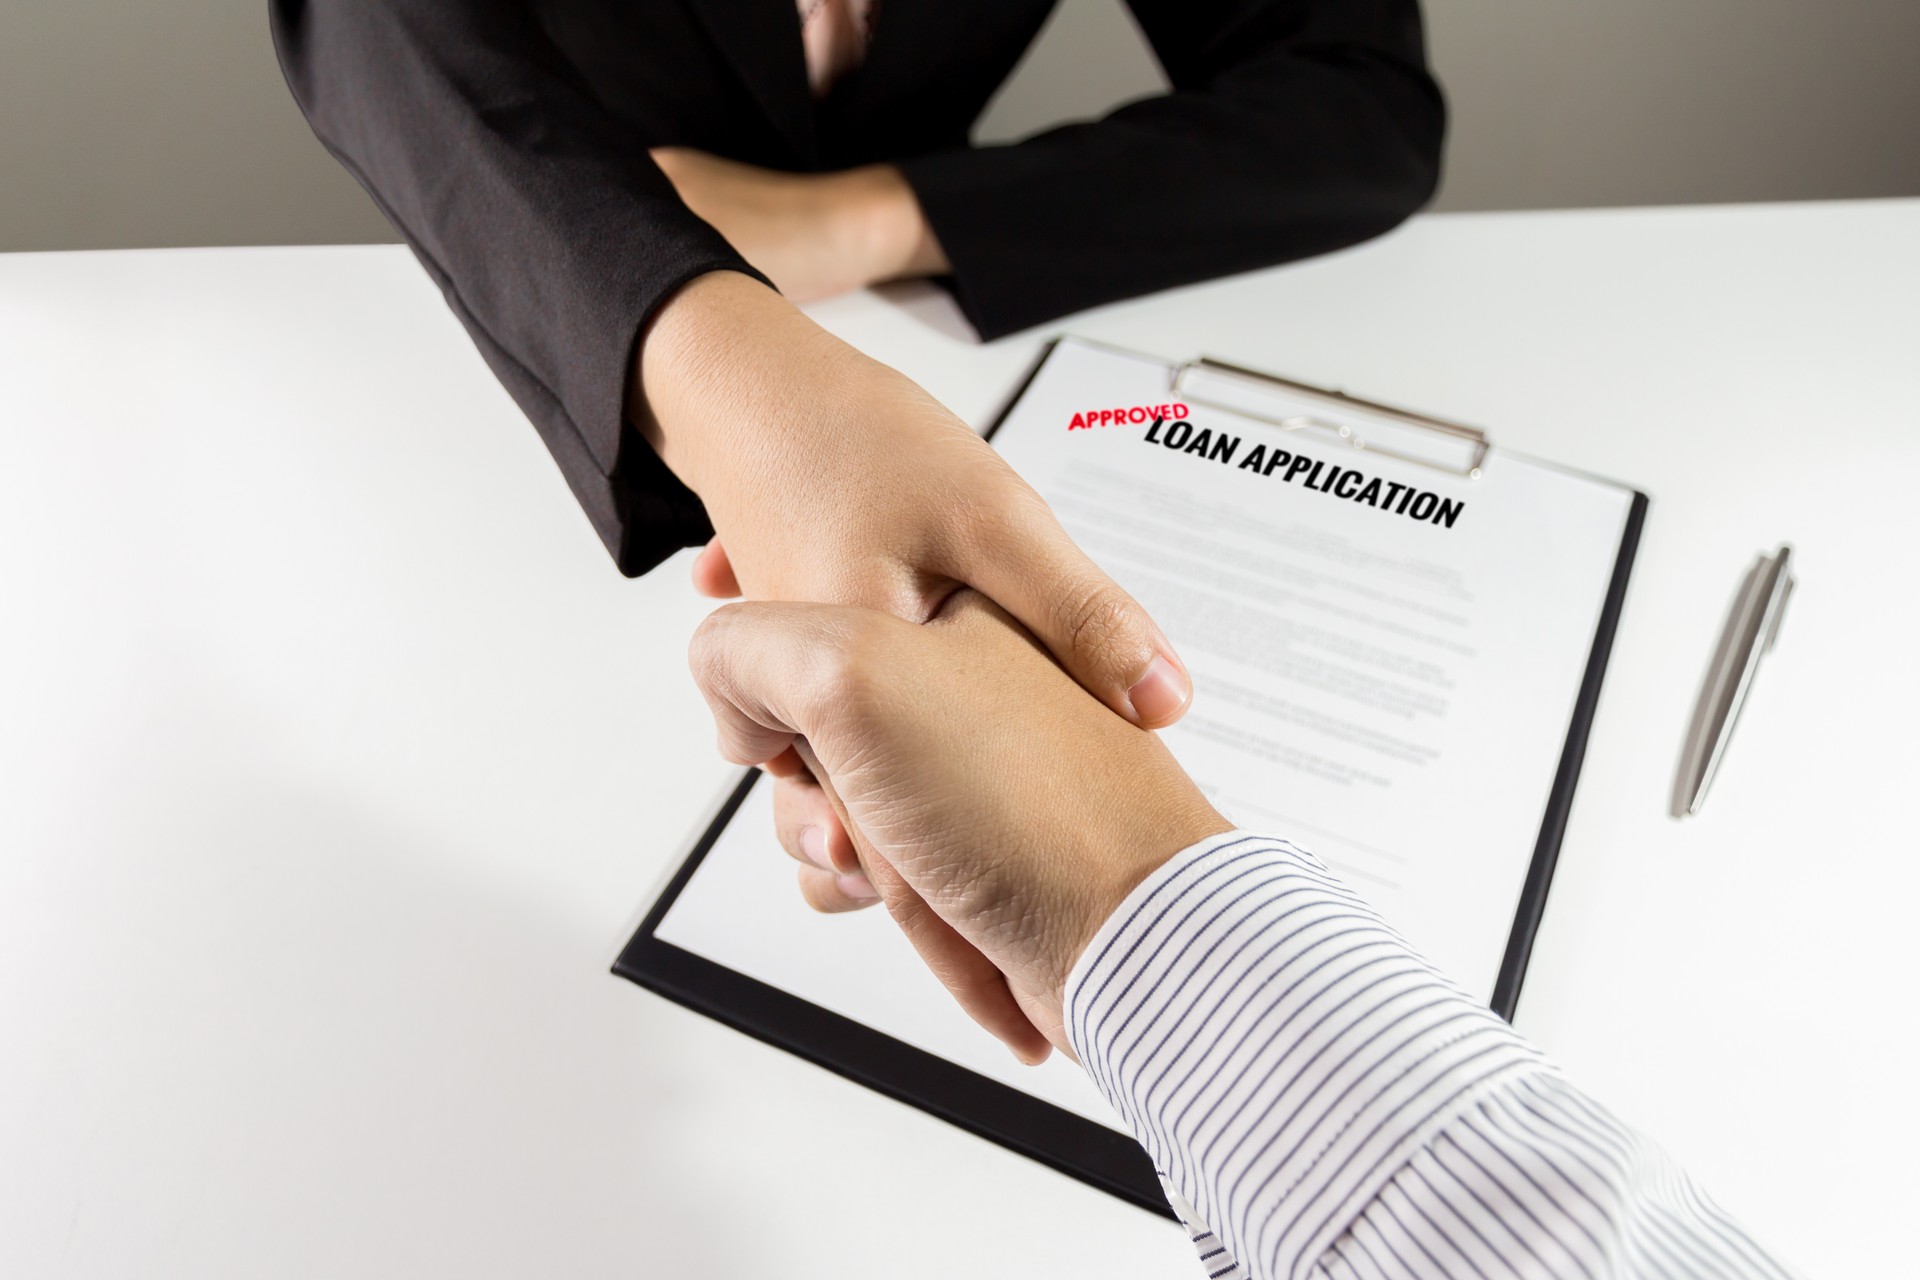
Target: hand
pixel 813 234
pixel 832 478
pixel 1000 812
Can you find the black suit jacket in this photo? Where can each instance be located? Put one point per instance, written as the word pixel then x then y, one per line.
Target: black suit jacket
pixel 507 141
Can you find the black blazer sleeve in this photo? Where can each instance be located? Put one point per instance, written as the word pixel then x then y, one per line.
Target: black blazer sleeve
pixel 546 225
pixel 1294 127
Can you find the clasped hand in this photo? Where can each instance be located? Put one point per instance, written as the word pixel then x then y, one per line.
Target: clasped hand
pixel 1000 812
pixel 829 477
pixel 919 765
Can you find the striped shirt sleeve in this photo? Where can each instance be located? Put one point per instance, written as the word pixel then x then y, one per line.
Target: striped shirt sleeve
pixel 1321 1102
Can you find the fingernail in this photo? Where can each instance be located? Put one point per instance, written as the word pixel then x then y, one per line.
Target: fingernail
pixel 857 886
pixel 1160 693
pixel 813 845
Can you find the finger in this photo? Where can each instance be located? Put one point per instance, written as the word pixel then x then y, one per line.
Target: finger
pixel 713 574
pixel 769 671
pixel 1098 632
pixel 834 894
pixel 972 979
pixel 808 828
pixel 745 738
pixel 967 974
pixel 752 663
pixel 788 764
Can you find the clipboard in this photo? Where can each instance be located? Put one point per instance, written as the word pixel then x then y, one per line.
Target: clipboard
pixel 1071 1143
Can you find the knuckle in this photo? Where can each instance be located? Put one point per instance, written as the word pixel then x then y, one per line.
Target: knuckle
pixel 1097 623
pixel 996 508
pixel 850 669
pixel 706 651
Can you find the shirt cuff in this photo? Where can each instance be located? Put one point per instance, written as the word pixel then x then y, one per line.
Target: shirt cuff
pixel 1275 1046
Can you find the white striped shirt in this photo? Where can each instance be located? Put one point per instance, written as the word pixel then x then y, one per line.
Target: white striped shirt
pixel 1321 1102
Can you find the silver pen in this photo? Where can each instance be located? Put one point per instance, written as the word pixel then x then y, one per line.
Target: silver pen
pixel 1751 630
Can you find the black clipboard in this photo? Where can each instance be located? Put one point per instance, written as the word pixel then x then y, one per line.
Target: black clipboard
pixel 1058 1138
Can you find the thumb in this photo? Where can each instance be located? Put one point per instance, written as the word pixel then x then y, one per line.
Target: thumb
pixel 1095 630
pixel 713 574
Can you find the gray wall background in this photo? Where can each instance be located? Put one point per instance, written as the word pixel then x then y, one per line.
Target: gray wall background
pixel 165 122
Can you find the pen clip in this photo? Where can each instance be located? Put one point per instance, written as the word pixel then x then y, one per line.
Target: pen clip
pixel 1779 611
pixel 1752 626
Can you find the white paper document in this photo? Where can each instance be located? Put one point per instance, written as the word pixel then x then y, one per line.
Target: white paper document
pixel 1385 658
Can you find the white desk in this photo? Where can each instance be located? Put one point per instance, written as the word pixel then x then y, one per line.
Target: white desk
pixel 336 761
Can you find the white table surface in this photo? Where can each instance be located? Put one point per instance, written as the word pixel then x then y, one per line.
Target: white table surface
pixel 335 762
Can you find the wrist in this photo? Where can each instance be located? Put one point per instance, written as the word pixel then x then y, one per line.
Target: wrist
pixel 710 365
pixel 1196 839
pixel 1123 859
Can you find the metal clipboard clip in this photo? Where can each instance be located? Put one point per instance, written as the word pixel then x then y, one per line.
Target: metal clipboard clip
pixel 1473 438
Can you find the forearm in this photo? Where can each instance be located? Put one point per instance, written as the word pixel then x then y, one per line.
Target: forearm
pixel 549 231
pixel 1314 1091
pixel 1295 127
pixel 770 419
pixel 735 387
pixel 706 369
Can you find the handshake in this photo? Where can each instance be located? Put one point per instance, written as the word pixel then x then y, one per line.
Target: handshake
pixel 927 751
pixel 963 732
pixel 953 772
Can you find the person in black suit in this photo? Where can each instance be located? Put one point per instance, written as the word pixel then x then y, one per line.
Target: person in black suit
pixel 605 189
